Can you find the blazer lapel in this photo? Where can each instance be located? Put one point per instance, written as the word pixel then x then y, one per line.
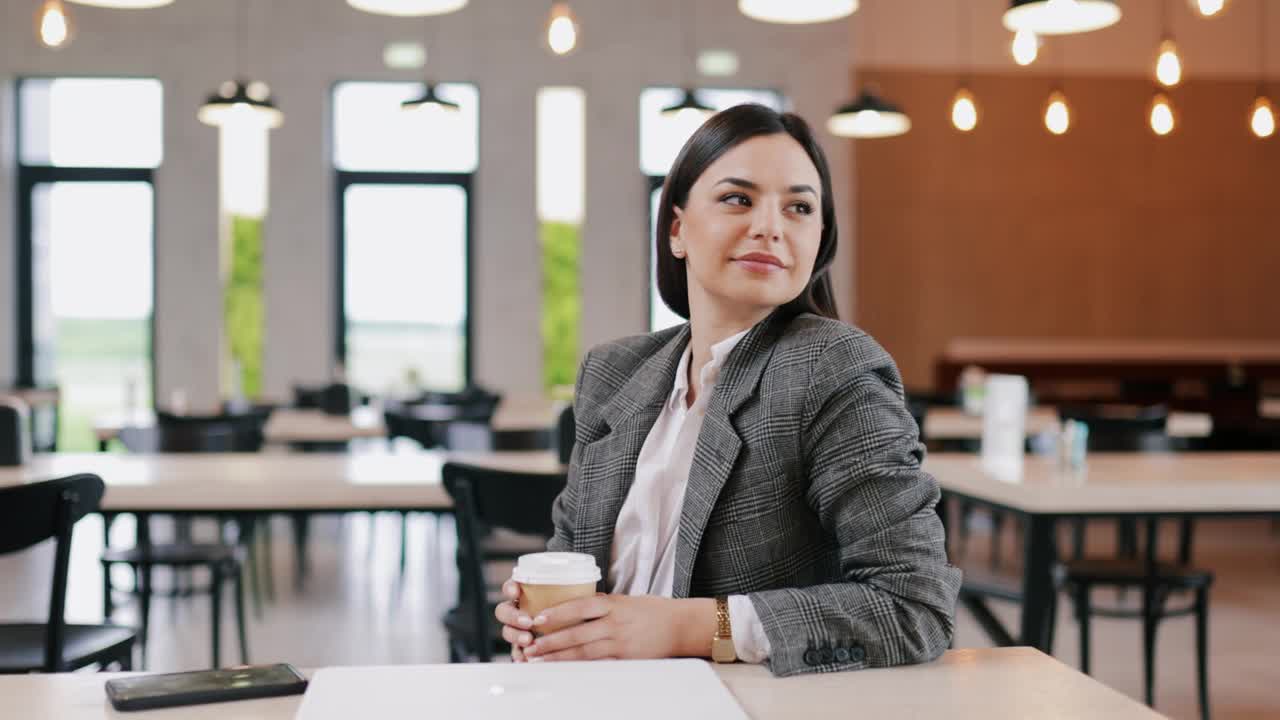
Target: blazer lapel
pixel 718 443
pixel 630 415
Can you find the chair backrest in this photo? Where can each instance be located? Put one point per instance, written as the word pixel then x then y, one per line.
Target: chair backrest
pixel 403 424
pixel 31 514
pixel 196 433
pixel 487 499
pixel 566 430
pixel 1123 428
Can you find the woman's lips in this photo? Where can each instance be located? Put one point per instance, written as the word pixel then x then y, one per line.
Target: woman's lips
pixel 759 263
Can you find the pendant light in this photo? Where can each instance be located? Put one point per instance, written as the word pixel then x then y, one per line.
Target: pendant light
pixel 1057 113
pixel 964 109
pixel 1061 17
pixel 429 101
pixel 868 116
pixel 1168 64
pixel 1161 115
pixel 408 8
pixel 562 29
pixel 797 12
pixel 241 100
pixel 1025 47
pixel 53 24
pixel 1262 116
pixel 1209 8
pixel 689 110
pixel 125 4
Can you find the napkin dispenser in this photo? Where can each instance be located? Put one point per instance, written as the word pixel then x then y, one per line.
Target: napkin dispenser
pixel 15 431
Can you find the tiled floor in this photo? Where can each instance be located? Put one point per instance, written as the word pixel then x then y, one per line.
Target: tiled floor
pixel 356 609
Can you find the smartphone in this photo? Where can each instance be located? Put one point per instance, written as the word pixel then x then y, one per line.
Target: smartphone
pixel 145 692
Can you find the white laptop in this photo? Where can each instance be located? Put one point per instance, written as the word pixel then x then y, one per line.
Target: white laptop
pixel 612 690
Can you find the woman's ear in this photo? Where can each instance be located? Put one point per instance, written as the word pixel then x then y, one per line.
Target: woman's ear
pixel 677 244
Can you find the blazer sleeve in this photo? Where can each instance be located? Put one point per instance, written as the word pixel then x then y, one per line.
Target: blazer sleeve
pixel 564 509
pixel 895 601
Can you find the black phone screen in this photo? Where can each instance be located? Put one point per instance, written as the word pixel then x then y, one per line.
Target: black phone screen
pixel 229 683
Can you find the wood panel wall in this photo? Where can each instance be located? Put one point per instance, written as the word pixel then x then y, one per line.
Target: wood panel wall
pixel 1108 231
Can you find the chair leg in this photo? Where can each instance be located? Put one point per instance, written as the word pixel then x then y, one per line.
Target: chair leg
pixel 997 526
pixel 1150 621
pixel 108 606
pixel 215 601
pixel 1202 649
pixel 1077 538
pixel 301 526
pixel 144 610
pixel 240 619
pixel 125 659
pixel 1186 533
pixel 1083 612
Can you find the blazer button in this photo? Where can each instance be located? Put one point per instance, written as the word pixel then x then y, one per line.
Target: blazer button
pixel 842 655
pixel 827 655
pixel 811 657
pixel 857 654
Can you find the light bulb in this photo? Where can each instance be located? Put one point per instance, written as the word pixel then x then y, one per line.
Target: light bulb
pixel 1168 65
pixel 1025 47
pixel 964 111
pixel 1262 120
pixel 562 29
pixel 1057 116
pixel 1162 120
pixel 1208 8
pixel 53 24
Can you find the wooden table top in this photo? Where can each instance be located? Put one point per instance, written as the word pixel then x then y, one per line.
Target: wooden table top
pixel 986 684
pixel 1121 483
pixel 1094 351
pixel 948 423
pixel 34 397
pixel 270 481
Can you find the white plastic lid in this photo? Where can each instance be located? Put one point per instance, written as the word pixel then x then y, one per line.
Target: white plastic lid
pixel 556 568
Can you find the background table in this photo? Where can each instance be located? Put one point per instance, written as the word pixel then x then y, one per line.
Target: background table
pixel 1150 485
pixel 1013 683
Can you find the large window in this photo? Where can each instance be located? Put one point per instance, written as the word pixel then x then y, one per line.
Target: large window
pixel 87 148
pixel 404 230
pixel 661 138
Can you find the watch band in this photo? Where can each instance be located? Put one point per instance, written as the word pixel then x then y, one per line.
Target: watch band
pixel 723 628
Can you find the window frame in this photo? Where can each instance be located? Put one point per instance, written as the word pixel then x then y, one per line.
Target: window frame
pixel 28 178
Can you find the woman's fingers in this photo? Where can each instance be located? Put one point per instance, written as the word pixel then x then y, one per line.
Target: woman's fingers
pixel 508 614
pixel 575 611
pixel 597 650
pixel 516 636
pixel 576 636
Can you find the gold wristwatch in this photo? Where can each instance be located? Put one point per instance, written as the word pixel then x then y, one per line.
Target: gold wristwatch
pixel 722 642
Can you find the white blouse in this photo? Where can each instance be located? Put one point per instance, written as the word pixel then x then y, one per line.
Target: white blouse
pixel 644 540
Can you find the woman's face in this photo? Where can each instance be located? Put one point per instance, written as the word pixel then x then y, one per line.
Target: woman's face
pixel 750 230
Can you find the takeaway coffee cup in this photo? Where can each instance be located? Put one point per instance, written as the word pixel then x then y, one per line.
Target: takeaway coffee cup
pixel 551 578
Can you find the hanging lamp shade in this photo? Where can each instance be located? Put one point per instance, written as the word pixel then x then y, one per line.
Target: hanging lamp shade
pixel 869 116
pixel 1060 17
pixel 408 8
pixel 689 105
pixel 125 4
pixel 429 101
pixel 241 101
pixel 797 12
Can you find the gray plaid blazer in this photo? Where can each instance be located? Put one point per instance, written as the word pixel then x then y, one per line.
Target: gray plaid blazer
pixel 805 492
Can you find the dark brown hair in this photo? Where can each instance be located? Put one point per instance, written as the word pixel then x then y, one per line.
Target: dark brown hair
pixel 721 133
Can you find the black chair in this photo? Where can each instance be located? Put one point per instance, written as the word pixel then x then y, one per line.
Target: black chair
pixel 566 431
pixel 222 560
pixel 1158 582
pixel 486 501
pixel 31 514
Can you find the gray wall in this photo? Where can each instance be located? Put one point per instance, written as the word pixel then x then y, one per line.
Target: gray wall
pixel 302 47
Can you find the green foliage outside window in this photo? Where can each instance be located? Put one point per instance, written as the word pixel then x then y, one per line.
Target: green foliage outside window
pixel 561 303
pixel 243 308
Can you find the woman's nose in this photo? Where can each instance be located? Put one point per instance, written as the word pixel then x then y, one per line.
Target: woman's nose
pixel 766 222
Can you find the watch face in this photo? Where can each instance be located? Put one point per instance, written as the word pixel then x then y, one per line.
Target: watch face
pixel 722 650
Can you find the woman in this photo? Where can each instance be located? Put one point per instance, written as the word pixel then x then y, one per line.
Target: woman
pixel 757 462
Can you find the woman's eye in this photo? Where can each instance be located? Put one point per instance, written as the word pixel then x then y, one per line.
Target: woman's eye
pixel 803 208
pixel 736 199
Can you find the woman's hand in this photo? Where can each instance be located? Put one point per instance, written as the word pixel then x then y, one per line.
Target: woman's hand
pixel 517 627
pixel 626 627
